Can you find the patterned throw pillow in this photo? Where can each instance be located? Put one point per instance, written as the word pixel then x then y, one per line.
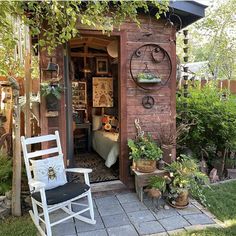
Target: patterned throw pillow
pixel 110 123
pixel 50 171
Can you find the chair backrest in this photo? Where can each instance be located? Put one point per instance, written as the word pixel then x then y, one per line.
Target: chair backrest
pixel 25 142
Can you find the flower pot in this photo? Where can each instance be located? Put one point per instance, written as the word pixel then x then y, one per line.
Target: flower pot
pixel 185 50
pixel 145 166
pixel 154 193
pixel 186 59
pixel 52 103
pixel 149 81
pixel 185 41
pixel 181 201
pixel 185 69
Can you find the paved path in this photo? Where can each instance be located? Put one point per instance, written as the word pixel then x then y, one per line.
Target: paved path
pixel 122 214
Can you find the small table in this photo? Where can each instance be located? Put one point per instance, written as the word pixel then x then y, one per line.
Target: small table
pixel 141 180
pixel 86 126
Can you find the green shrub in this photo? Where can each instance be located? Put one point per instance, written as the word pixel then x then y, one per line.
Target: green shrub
pixel 5 173
pixel 212 120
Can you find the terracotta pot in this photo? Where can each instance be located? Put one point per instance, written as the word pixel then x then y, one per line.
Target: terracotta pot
pixel 154 193
pixel 182 200
pixel 145 166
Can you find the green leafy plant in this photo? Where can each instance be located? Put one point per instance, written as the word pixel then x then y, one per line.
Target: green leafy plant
pixel 185 176
pixel 5 173
pixel 157 182
pixel 144 148
pixel 211 120
pixel 48 88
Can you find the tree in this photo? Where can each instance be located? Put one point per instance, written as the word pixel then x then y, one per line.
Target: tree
pixel 213 39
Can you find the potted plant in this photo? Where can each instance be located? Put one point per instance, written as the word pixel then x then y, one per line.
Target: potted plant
pixel 185 177
pixel 52 92
pixel 145 152
pixel 145 77
pixel 156 186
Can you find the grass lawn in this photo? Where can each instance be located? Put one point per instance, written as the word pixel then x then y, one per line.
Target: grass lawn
pixel 222 201
pixel 17 226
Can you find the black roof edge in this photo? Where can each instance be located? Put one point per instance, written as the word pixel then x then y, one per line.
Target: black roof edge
pixel 188 11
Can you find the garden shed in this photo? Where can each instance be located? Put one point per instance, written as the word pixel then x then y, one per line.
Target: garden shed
pixel 102 76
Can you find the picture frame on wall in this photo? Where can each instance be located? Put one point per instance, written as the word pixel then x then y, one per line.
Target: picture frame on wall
pixel 103 92
pixel 101 66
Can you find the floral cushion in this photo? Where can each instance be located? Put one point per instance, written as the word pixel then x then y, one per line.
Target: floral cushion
pixel 50 171
pixel 110 123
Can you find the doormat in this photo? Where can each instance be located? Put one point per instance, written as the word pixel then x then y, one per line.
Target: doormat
pixel 100 172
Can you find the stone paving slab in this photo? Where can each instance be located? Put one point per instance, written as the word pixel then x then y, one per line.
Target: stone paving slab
pixel 174 222
pixel 141 216
pixel 151 227
pixel 116 220
pixel 125 230
pixel 107 210
pixel 83 227
pixel 64 229
pixel 110 200
pixel 128 197
pixel 191 209
pixel 198 219
pixel 134 206
pixel 101 232
pixel 122 214
pixel 162 213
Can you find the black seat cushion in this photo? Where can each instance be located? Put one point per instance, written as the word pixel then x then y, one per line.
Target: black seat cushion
pixel 62 193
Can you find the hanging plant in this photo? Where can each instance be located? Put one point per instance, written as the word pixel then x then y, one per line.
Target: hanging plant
pixel 47 88
pixel 148 78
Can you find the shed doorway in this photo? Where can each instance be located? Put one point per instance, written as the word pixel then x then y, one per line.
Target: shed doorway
pixel 95 76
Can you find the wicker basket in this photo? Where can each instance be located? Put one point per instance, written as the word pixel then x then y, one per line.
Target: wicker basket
pixel 145 166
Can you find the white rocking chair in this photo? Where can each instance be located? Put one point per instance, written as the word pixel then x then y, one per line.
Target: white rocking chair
pixel 61 197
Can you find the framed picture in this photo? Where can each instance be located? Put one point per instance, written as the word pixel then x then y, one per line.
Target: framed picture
pixel 102 92
pixel 101 66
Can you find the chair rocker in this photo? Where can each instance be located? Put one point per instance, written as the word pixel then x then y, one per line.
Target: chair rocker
pixel 51 197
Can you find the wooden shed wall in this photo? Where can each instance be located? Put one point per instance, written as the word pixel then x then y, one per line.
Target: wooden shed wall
pixel 164 110
pixel 130 104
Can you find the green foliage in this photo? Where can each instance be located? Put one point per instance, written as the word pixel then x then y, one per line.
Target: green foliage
pixel 211 119
pixel 5 173
pixel 185 175
pixel 213 39
pixel 146 76
pixel 57 21
pixel 157 182
pixel 51 89
pixel 144 148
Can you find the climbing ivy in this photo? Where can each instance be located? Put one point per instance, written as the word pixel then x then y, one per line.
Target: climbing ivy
pixel 56 22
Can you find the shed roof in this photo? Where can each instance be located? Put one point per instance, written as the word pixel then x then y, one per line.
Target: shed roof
pixel 188 11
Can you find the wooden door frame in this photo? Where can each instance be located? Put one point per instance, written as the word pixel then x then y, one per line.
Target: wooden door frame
pixel 122 93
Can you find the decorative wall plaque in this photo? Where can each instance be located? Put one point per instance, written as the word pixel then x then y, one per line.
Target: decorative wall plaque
pixel 150 66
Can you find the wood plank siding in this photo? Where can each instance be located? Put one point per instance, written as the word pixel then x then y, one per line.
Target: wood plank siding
pixel 130 103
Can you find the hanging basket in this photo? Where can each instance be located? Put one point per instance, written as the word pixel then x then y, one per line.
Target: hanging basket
pixel 52 103
pixel 148 78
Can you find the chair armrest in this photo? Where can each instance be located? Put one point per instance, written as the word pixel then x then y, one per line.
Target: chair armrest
pixel 36 184
pixel 79 170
